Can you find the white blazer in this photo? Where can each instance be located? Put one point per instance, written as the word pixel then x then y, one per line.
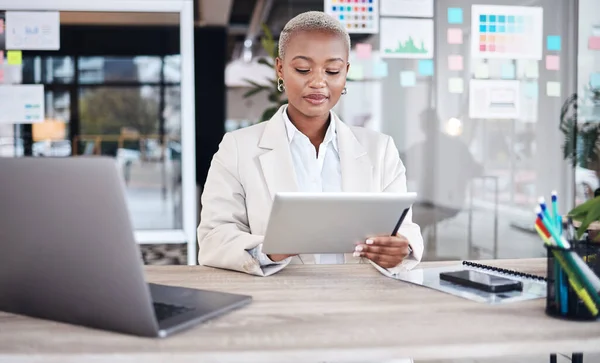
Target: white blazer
pixel 254 163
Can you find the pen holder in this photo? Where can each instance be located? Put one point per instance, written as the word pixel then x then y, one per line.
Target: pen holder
pixel 562 301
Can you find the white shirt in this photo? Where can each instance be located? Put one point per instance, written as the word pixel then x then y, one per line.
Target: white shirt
pixel 315 172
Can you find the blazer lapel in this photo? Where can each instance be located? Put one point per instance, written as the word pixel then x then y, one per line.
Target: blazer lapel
pixel 357 169
pixel 276 163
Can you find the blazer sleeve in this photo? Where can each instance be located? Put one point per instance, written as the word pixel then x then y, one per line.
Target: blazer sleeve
pixel 224 238
pixel 394 181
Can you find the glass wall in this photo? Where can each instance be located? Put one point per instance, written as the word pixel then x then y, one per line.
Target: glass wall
pixel 127 106
pixel 475 112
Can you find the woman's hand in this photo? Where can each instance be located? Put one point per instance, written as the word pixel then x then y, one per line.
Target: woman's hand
pixel 277 258
pixel 386 251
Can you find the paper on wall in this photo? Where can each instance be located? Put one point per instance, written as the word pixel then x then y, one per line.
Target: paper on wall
pixel 492 99
pixel 407 8
pixel 33 30
pixel 21 104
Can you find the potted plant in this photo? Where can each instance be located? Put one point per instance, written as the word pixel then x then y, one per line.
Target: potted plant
pixel 580 124
pixel 275 97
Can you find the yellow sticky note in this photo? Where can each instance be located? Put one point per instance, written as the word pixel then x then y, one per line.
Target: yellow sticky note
pixel 482 71
pixel 553 89
pixel 456 85
pixel 14 57
pixel 532 70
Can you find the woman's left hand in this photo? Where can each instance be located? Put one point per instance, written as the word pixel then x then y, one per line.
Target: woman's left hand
pixel 386 251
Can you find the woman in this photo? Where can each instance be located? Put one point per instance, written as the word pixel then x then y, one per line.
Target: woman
pixel 304 147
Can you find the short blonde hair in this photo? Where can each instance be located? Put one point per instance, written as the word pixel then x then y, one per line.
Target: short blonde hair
pixel 311 21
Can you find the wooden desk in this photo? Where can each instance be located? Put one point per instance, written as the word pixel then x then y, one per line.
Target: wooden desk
pixel 312 313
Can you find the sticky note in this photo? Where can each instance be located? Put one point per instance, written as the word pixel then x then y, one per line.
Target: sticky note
pixel 455 36
pixel 482 71
pixel 532 90
pixel 595 80
pixel 553 89
pixel 356 72
pixel 14 57
pixel 508 71
pixel 594 43
pixel 455 15
pixel 552 62
pixel 380 69
pixel 456 85
pixel 553 42
pixel 455 62
pixel 363 50
pixel 408 79
pixel 1 56
pixel 532 70
pixel 426 67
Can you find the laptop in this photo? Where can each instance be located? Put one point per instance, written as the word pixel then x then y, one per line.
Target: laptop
pixel 68 254
pixel 332 222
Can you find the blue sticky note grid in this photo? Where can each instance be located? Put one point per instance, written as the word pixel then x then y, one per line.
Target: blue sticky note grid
pixel 426 67
pixel 553 42
pixel 408 79
pixel 455 15
pixel 531 90
pixel 508 71
pixel 595 80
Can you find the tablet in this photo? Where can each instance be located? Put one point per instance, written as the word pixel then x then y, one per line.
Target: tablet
pixel 303 223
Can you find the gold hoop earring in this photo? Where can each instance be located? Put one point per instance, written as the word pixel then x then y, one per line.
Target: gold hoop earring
pixel 280 85
pixel 345 91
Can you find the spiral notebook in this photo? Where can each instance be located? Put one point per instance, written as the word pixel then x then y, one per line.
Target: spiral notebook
pixel 534 287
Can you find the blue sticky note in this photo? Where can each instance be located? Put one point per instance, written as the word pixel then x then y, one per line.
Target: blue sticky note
pixel 380 69
pixel 492 18
pixel 502 19
pixel 408 79
pixel 426 67
pixel 508 71
pixel 532 90
pixel 595 80
pixel 455 15
pixel 553 42
pixel 511 19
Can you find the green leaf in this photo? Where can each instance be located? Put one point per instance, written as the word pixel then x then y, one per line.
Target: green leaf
pixel 592 216
pixel 269 112
pixel 254 91
pixel 254 83
pixel 265 62
pixel 584 208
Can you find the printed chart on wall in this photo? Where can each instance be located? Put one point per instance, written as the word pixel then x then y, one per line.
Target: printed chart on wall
pixel 408 8
pixel 406 38
pixel 358 16
pixel 494 99
pixel 508 32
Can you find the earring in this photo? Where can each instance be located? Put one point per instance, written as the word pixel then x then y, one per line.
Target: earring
pixel 345 91
pixel 280 85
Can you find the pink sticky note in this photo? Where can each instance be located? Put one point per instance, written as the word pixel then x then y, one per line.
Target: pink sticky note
pixel 455 62
pixel 552 62
pixel 594 43
pixel 455 36
pixel 363 50
pixel 1 56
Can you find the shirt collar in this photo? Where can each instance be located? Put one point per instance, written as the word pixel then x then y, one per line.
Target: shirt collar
pixel 330 134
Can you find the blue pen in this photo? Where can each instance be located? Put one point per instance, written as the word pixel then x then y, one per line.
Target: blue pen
pixel 557 217
pixel 561 286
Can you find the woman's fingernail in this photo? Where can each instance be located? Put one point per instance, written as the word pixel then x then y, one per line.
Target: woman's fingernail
pixel 358 248
pixel 369 242
pixel 356 254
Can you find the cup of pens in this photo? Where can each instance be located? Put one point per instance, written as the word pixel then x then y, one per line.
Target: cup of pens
pixel 573 268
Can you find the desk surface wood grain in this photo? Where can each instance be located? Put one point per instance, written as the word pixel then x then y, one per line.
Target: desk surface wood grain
pixel 317 313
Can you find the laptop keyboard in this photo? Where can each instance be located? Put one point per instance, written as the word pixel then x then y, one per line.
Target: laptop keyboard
pixel 165 311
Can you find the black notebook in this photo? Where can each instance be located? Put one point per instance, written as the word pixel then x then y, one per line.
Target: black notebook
pixel 503 271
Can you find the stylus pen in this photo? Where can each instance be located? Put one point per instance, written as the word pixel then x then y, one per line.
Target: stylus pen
pixel 395 232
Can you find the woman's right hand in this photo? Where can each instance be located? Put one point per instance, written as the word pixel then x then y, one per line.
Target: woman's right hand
pixel 277 258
